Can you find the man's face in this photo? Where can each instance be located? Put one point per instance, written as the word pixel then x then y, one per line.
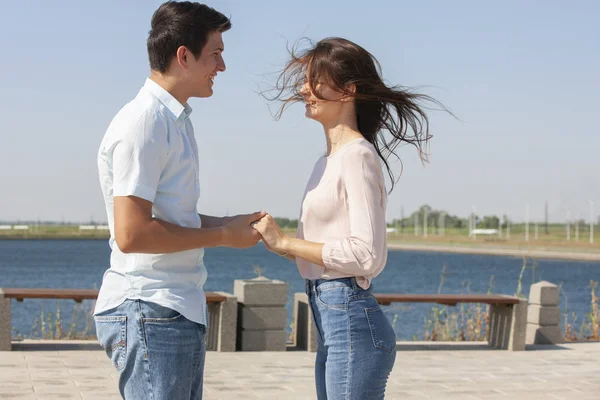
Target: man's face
pixel 202 72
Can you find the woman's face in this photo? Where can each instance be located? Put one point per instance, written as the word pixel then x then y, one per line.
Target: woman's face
pixel 323 109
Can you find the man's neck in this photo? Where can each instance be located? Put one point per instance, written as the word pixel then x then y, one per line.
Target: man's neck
pixel 171 85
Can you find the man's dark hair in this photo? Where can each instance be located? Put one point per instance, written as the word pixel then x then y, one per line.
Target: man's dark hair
pixel 183 23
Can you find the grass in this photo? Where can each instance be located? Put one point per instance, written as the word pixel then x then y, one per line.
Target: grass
pixel 590 326
pixel 552 242
pixel 51 326
pixel 54 232
pixel 470 322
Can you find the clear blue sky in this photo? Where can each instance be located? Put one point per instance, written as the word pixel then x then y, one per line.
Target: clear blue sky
pixel 522 76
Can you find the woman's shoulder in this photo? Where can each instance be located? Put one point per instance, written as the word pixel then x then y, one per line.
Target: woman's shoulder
pixel 360 149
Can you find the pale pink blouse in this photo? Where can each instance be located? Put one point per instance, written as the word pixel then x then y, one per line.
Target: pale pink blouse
pixel 344 208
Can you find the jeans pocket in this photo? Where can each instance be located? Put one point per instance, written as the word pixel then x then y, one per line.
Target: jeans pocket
pixel 153 313
pixel 112 335
pixel 382 332
pixel 333 297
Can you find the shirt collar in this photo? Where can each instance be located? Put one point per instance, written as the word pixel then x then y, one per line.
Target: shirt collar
pixel 175 107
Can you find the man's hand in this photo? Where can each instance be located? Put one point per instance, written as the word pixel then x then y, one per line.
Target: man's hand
pixel 239 233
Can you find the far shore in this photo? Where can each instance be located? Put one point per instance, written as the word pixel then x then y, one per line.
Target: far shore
pixel 514 252
pixel 540 250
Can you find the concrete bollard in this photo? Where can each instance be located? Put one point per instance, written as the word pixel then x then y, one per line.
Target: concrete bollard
pixel 5 327
pixel 222 329
pixel 262 314
pixel 305 330
pixel 543 315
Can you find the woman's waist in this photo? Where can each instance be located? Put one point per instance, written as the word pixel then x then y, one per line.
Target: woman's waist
pixel 354 283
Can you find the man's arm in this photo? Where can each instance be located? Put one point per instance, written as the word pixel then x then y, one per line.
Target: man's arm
pixel 138 161
pixel 214 222
pixel 136 231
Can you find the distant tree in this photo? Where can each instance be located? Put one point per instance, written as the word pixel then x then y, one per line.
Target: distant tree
pixel 505 221
pixel 433 219
pixel 489 222
pixel 456 222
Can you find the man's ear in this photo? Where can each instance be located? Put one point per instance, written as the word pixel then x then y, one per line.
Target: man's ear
pixel 182 56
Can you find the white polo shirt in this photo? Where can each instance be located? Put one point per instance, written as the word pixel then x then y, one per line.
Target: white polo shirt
pixel 149 151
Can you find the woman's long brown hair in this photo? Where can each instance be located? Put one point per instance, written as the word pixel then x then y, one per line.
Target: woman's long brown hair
pixel 343 64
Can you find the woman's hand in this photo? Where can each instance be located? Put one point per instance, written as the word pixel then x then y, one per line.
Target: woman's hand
pixel 272 235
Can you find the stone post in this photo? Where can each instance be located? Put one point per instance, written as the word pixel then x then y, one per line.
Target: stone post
pixel 262 314
pixel 543 315
pixel 305 330
pixel 5 328
pixel 223 324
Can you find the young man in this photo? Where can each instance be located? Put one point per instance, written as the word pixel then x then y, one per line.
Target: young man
pixel 151 311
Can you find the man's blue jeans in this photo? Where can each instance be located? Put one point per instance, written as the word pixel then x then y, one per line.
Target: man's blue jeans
pixel 157 351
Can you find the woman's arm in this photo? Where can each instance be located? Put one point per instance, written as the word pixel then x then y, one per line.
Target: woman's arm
pixel 364 250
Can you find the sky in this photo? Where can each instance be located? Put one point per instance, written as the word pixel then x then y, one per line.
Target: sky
pixel 520 76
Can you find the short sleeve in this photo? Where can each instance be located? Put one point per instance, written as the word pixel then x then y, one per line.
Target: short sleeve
pixel 139 158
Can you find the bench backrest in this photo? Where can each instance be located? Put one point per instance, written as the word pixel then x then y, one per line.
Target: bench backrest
pixel 447 299
pixel 385 299
pixel 73 294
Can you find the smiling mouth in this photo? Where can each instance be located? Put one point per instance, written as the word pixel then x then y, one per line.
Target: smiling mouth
pixel 311 103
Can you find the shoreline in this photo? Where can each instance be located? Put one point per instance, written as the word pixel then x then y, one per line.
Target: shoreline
pixel 567 254
pixel 533 253
pixel 53 237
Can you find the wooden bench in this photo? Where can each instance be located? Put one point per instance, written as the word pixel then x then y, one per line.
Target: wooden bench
pixel 222 311
pixel 507 316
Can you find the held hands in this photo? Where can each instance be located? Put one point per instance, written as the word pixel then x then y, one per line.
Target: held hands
pixel 245 230
pixel 273 237
pixel 238 232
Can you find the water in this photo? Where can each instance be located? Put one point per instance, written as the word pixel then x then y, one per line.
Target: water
pixel 81 264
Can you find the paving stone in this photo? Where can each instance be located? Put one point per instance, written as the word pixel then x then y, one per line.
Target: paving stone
pixel 568 371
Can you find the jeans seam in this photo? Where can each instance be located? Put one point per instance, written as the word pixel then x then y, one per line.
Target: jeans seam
pixel 163 320
pixel 349 360
pixel 359 296
pixel 198 354
pixel 332 288
pixel 110 318
pixel 312 306
pixel 342 307
pixel 371 329
pixel 201 350
pixel 123 355
pixel 146 359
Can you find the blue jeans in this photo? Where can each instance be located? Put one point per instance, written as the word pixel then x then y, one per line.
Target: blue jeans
pixel 157 351
pixel 356 342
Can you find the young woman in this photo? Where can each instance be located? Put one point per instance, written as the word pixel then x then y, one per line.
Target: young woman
pixel 341 241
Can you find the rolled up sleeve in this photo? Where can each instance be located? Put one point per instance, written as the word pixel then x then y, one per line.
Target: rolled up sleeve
pixel 365 250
